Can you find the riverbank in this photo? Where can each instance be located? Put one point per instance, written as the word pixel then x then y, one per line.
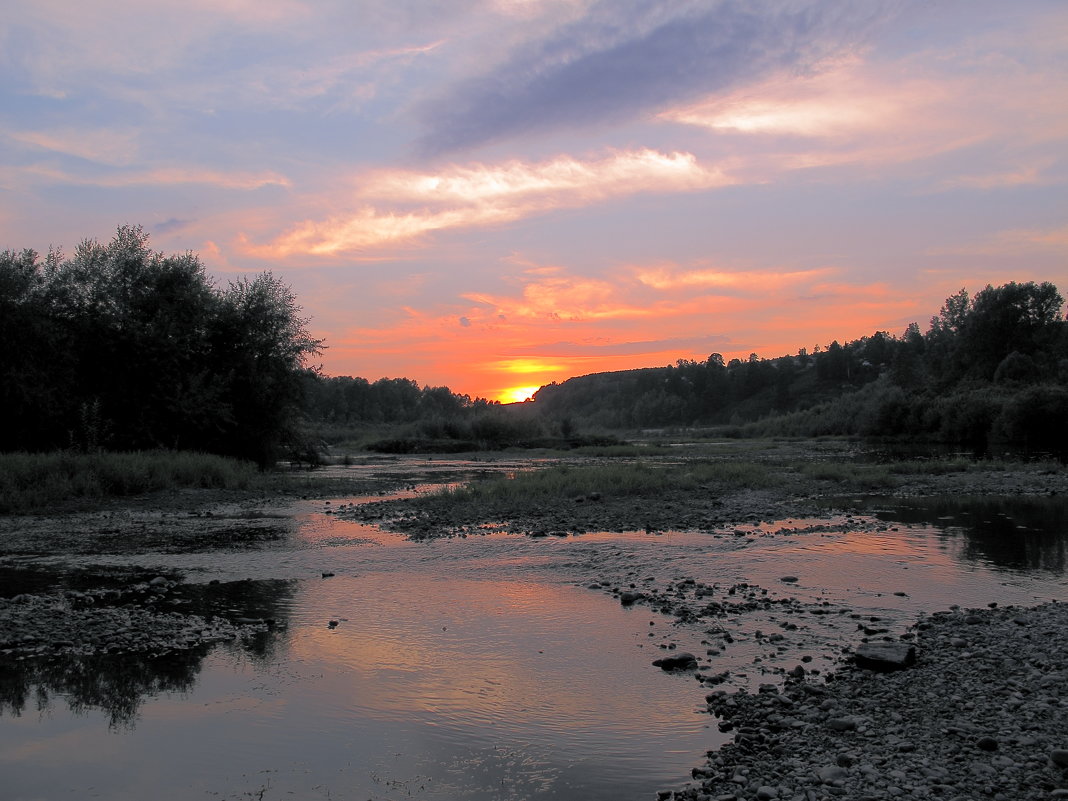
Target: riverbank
pixel 981 714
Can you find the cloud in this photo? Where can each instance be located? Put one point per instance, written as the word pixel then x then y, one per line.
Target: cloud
pixel 156 176
pixel 866 111
pixel 623 60
pixel 104 146
pixel 1012 242
pixel 171 226
pixel 1022 175
pixel 411 204
pixel 668 278
pixel 558 323
pixel 842 99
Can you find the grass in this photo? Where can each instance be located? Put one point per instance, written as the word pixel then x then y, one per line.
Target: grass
pixel 562 482
pixel 857 476
pixel 33 481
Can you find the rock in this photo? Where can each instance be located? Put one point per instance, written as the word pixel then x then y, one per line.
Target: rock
pixel 766 793
pixel 1059 756
pixel 789 579
pixel 885 656
pixel 627 598
pixel 832 773
pixel 842 724
pixel 680 661
pixel 987 743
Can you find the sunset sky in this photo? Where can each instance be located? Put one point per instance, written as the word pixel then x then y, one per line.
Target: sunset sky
pixel 496 194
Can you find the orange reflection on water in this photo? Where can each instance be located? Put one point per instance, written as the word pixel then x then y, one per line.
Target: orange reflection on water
pixel 463 651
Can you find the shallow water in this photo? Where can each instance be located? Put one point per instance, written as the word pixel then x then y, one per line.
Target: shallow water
pixel 485 667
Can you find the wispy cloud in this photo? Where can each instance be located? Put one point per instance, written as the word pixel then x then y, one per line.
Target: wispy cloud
pixel 156 176
pixel 1015 241
pixel 670 278
pixel 400 205
pixel 102 145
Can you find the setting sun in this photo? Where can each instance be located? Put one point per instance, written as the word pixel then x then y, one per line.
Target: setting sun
pixel 517 394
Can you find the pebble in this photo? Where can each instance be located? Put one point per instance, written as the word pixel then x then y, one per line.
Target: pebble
pixel 54 625
pixel 906 734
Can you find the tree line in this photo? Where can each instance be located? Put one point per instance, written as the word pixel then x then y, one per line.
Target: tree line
pixel 989 367
pixel 120 347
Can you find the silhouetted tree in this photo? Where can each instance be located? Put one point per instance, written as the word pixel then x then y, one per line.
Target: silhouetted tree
pixel 123 347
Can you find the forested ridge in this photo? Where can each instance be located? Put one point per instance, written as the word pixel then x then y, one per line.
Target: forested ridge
pixel 989 367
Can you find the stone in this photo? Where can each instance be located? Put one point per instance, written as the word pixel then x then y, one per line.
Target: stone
pixel 788 579
pixel 987 744
pixel 766 793
pixel 627 598
pixel 842 724
pixel 832 773
pixel 683 660
pixel 883 657
pixel 1059 757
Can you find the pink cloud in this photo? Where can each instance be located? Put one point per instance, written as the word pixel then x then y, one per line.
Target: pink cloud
pixel 399 206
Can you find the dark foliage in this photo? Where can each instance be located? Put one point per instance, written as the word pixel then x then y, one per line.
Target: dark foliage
pixel 992 368
pixel 121 347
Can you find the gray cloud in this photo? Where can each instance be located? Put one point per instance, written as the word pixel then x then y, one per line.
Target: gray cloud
pixel 171 225
pixel 628 59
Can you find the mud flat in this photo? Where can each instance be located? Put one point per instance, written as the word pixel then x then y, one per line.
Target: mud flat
pixel 982 713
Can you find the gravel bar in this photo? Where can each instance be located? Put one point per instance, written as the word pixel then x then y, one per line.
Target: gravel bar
pixel 982 714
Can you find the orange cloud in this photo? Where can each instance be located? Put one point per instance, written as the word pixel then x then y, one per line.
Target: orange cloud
pixel 557 324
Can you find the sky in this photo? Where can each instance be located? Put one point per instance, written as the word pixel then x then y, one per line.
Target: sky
pixel 492 195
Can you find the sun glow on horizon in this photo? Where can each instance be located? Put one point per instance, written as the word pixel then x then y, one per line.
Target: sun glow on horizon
pixel 517 394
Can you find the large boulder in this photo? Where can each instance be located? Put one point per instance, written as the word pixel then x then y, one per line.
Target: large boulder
pixel 885 656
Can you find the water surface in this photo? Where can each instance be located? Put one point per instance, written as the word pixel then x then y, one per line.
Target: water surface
pixel 486 667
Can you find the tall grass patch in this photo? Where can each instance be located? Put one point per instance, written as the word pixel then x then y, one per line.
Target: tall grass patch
pixel 30 481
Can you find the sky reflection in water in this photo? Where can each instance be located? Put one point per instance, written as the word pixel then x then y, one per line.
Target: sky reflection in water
pixel 476 668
